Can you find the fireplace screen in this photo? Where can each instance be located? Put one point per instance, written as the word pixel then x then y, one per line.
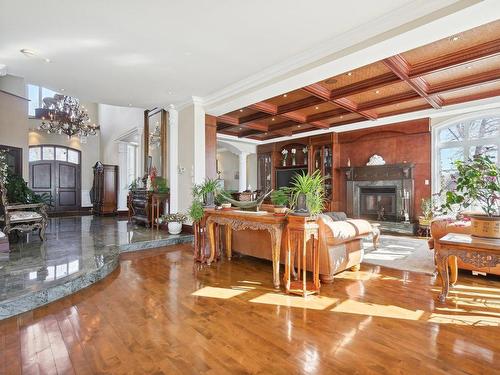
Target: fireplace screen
pixel 378 202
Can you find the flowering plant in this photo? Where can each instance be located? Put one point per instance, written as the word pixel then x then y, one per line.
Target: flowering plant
pixel 478 181
pixel 293 151
pixel 284 152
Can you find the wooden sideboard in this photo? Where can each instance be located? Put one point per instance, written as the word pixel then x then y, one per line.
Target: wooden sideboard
pixel 105 189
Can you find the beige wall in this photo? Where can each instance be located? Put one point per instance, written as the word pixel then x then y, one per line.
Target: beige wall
pixel 186 157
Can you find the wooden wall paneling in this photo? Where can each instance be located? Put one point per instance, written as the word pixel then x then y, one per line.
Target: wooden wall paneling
pixel 210 146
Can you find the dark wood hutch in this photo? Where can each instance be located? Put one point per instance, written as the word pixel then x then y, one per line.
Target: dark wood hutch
pixel 313 153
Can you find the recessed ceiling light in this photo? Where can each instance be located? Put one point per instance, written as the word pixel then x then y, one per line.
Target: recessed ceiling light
pixel 349 74
pixel 272 119
pixel 341 117
pixel 316 107
pixel 298 126
pixel 454 38
pixel 377 92
pixel 469 67
pixel 265 133
pixel 285 95
pixel 62 90
pixel 241 110
pixel 47 60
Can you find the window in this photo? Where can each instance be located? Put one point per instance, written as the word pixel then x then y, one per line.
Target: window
pixel 36 95
pixel 462 139
pixel 38 153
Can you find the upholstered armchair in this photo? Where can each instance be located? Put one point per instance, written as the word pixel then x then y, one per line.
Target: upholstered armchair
pixel 22 217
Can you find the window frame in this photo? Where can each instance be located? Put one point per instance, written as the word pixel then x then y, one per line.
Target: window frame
pixel 466 144
pixel 40 97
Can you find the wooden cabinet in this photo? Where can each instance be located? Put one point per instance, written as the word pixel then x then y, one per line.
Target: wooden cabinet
pixel 105 189
pixel 322 160
pixel 141 206
pixel 264 172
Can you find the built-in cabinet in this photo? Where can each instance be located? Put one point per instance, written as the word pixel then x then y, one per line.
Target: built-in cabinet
pixel 305 154
pixel 141 206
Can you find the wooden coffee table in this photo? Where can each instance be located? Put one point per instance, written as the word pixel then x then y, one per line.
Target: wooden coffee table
pixel 478 251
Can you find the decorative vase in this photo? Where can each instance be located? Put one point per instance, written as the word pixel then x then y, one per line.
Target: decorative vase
pixel 293 160
pixel 284 162
pixel 485 226
pixel 174 227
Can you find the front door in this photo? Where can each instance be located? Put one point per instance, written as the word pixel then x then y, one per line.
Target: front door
pixel 55 170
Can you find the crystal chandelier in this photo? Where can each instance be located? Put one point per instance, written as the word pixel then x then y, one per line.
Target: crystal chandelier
pixel 64 115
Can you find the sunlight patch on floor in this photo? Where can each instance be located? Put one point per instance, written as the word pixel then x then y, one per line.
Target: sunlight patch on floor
pixel 399 247
pixel 477 288
pixel 373 309
pixel 459 293
pixel 310 302
pixel 365 276
pixel 374 255
pixel 223 293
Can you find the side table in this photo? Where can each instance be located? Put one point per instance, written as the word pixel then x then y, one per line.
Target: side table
pixel 157 200
pixel 302 235
pixel 478 251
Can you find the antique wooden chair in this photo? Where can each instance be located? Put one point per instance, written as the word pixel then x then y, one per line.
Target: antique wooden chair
pixel 22 217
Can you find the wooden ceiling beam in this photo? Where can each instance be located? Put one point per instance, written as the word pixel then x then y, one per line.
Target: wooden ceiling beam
pixel 393 99
pixel 228 120
pixel 299 104
pixel 322 92
pixel 248 132
pixel 327 114
pixel 265 107
pixel 461 57
pixel 365 85
pixel 401 68
pixel 466 82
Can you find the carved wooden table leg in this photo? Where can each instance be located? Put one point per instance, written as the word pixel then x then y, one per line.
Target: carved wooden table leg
pixel 376 235
pixel 229 232
pixel 442 265
pixel 275 232
pixel 211 236
pixel 453 264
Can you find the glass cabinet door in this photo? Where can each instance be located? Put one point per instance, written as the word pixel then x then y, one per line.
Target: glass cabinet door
pixel 264 172
pixel 327 171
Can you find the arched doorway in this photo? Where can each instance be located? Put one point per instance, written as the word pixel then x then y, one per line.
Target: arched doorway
pixel 56 170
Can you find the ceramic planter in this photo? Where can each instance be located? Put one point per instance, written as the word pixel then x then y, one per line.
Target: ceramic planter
pixel 174 227
pixel 485 226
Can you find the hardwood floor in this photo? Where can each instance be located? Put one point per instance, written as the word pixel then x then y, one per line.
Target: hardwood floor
pixel 144 319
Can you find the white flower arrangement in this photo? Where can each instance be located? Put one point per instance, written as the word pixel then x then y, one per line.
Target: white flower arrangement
pixel 294 151
pixel 284 152
pixel 304 150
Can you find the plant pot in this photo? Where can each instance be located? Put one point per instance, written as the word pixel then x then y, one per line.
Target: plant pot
pixel 209 199
pixel 174 227
pixel 280 210
pixel 301 208
pixel 422 221
pixel 485 226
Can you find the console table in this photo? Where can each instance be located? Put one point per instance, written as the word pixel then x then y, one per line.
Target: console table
pixel 478 251
pixel 239 220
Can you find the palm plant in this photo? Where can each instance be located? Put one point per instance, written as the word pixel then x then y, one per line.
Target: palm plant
pixel 307 193
pixel 280 197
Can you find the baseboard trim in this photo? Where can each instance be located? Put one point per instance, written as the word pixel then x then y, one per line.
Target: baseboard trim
pixel 186 228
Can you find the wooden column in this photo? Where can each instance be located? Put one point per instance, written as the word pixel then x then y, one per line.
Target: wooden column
pixel 210 146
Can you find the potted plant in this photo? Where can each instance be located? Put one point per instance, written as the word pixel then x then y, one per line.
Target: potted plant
pixel 279 199
pixel 427 207
pixel 478 183
pixel 221 200
pixel 208 190
pixel 160 185
pixel 307 194
pixel 175 222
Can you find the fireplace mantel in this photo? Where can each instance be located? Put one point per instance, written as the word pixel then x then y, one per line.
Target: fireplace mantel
pixel 397 176
pixel 401 171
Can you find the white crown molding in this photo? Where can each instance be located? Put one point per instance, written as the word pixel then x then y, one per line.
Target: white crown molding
pixel 395 32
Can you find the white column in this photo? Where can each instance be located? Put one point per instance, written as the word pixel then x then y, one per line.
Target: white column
pixel 122 176
pixel 199 140
pixel 243 171
pixel 173 157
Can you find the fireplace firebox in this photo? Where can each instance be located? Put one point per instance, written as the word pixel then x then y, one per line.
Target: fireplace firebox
pixel 378 203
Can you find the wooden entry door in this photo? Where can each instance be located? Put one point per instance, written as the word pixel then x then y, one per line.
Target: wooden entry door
pixel 56 170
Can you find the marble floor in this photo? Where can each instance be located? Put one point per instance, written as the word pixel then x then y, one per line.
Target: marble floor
pixel 78 251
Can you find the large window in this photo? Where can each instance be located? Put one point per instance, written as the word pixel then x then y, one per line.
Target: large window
pixel 36 95
pixel 459 140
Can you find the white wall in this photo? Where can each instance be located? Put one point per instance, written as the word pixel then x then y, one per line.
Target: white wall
pixel 229 165
pixel 186 157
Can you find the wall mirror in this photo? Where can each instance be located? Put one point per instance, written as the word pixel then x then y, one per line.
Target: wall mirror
pixel 155 141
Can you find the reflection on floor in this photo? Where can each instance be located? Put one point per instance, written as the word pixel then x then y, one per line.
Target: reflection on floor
pixel 78 251
pixel 160 313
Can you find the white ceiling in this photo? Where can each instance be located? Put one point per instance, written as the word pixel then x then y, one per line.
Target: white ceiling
pixel 159 52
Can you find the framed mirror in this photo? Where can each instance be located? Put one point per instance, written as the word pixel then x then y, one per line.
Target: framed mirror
pixel 155 141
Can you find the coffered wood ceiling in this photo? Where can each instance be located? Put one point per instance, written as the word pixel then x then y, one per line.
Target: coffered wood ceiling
pixel 453 70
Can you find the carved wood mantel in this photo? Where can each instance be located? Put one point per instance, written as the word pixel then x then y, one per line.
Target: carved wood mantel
pixel 234 220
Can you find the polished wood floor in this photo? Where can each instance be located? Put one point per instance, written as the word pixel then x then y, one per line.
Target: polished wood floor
pixel 157 314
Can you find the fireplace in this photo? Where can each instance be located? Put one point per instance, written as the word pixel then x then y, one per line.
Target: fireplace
pixel 378 203
pixel 381 193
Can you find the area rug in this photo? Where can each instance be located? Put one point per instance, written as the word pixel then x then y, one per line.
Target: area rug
pixel 402 253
